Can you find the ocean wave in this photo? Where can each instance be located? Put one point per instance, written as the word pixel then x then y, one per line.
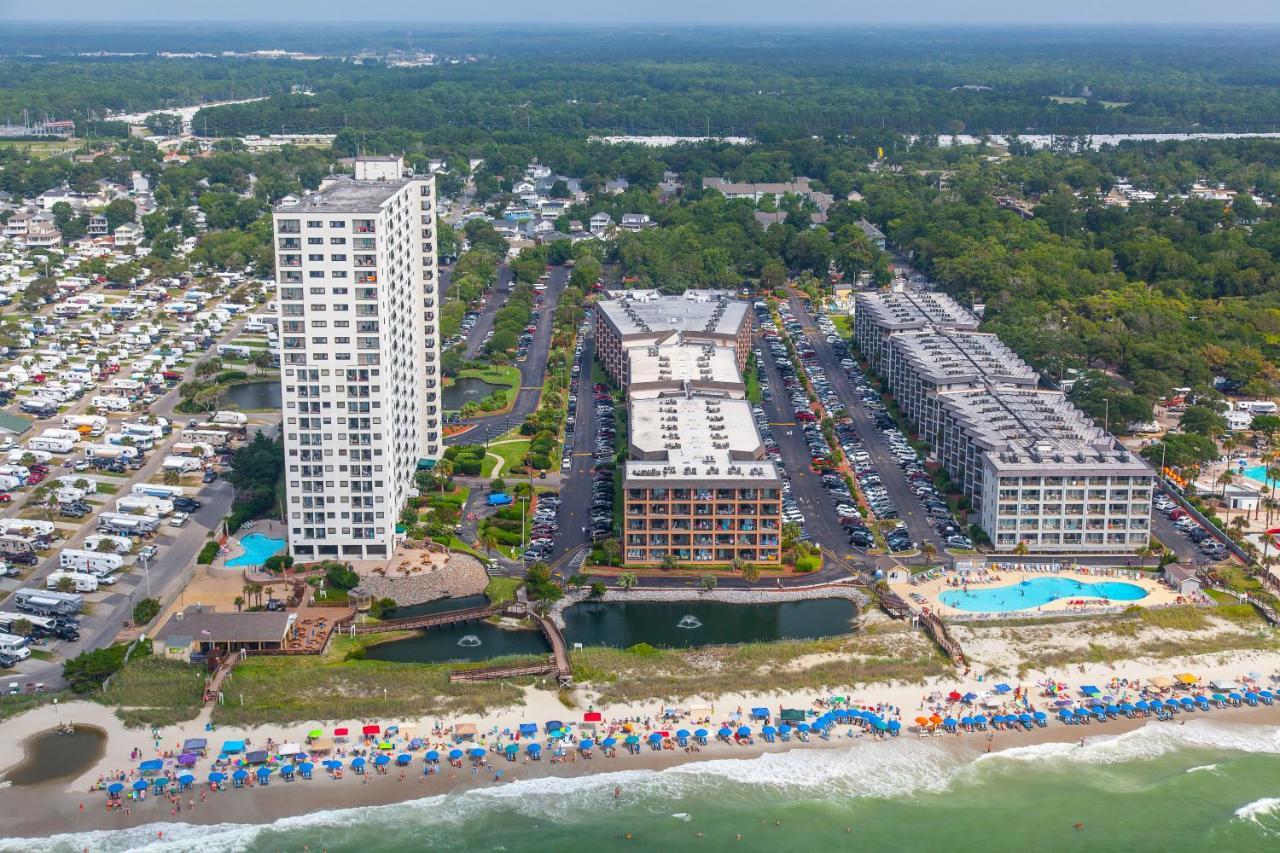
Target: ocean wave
pixel 1146 743
pixel 1205 768
pixel 1267 807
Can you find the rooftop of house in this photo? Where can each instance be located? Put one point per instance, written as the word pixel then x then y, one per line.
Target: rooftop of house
pixel 943 356
pixel 206 625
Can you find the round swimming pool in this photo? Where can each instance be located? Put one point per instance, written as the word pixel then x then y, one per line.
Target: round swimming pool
pixel 1035 592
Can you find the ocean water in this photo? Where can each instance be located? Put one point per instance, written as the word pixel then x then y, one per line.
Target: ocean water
pixel 1202 786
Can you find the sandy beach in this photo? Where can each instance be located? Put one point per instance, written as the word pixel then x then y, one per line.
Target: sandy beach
pixel 56 807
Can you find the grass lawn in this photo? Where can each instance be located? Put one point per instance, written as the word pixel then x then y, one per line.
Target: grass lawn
pixel 512 454
pixel 752 380
pixel 458 545
pixel 155 691
pixel 342 685
pixel 843 324
pixel 502 589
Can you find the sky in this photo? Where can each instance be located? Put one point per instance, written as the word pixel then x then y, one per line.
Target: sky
pixel 728 12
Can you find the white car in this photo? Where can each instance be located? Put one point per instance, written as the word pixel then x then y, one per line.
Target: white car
pixel 178 519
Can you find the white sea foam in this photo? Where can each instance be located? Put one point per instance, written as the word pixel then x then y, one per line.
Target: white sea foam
pixel 1267 807
pixel 1205 768
pixel 1148 742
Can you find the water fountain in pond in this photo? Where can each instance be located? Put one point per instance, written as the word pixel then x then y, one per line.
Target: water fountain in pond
pixel 689 623
pixel 470 641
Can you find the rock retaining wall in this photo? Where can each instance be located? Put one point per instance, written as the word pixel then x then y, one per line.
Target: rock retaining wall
pixel 461 575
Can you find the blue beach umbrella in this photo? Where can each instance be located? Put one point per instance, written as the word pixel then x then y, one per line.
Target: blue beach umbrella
pixel 1040 715
pixel 479 752
pixel 381 760
pixel 980 720
pixel 586 743
pixel 632 740
pixel 264 772
pixel 700 734
pixel 217 778
pixel 533 748
pixel 115 788
pixel 966 721
pixel 306 767
pixel 895 726
pixel 802 727
pixel 403 758
pixel 332 764
pixel 682 734
pixel 186 779
pixel 654 737
pixel 286 770
pixel 455 754
pixel 768 730
pixel 511 748
pixel 949 722
pixel 725 732
pixel 140 785
pixel 1024 718
pixel 432 756
pixel 359 761
pixel 159 783
pixel 743 731
pixel 609 742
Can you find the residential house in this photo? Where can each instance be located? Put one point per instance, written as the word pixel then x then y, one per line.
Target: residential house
pixel 139 183
pixel 128 234
pixel 635 222
pixel 98 226
pixel 43 234
pixel 874 234
pixel 600 223
pixel 18 224
pixel 767 218
pixel 1182 578
pixel 575 226
pixel 617 186
pixel 508 228
pixel 757 191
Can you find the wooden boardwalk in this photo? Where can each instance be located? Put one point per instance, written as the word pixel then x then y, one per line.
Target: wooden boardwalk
pixel 432 620
pixel 559 651
pixel 492 673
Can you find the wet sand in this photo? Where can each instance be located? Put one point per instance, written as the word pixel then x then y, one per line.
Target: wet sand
pixel 48 808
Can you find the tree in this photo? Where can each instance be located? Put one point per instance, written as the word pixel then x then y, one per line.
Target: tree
pixel 22 627
pixel 708 582
pixel 118 212
pixel 628 580
pixel 541 585
pixel 1021 548
pixel 751 573
pixel 145 610
pixel 65 584
pixel 1203 420
pixel 928 550
pixel 612 551
pixel 238 601
pixel 171 477
pixel 773 276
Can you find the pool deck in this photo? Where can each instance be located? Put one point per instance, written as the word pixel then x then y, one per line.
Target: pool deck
pixel 1157 593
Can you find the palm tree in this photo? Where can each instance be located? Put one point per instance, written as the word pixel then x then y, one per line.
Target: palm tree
pixel 443 471
pixel 709 582
pixel 248 590
pixel 627 580
pixel 751 573
pixel 238 601
pixel 65 584
pixel 1238 525
pixel 1021 549
pixel 928 550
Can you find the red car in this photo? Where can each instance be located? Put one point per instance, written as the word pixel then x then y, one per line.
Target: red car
pixel 5 497
pixel 35 479
pixel 39 468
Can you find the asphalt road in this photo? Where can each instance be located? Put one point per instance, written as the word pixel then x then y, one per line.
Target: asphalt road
pixel 910 510
pixel 496 298
pixel 532 371
pixel 575 484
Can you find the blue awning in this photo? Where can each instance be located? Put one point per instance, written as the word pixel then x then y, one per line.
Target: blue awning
pixel 151 766
pixel 232 746
pixel 528 728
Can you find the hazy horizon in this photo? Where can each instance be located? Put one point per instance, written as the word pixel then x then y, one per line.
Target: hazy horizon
pixel 669 12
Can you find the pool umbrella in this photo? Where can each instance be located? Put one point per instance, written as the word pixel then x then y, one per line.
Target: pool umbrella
pixel 478 753
pixel 403 758
pixel 115 788
pixel 217 778
pixel 140 785
pixel 586 743
pixel 743 731
pixel 380 760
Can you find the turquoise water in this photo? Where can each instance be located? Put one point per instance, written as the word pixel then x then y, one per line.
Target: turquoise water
pixel 1034 592
pixel 257 548
pixel 1167 788
pixel 1258 473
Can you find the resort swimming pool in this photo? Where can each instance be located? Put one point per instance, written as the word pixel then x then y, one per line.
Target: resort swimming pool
pixel 257 548
pixel 1034 592
pixel 1257 473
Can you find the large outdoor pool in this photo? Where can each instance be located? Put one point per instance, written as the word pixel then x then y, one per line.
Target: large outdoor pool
pixel 1034 592
pixel 1258 473
pixel 257 548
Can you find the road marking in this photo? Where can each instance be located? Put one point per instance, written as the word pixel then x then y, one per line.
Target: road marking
pixel 584 454
pixel 783 423
pixel 530 387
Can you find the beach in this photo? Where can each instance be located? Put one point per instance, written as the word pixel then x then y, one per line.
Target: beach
pixel 54 808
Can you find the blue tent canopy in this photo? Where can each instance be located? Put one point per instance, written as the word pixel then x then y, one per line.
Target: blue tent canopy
pixel 115 788
pixel 760 713
pixel 151 766
pixel 552 725
pixel 528 728
pixel 232 746
pixel 1090 690
pixel 140 785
